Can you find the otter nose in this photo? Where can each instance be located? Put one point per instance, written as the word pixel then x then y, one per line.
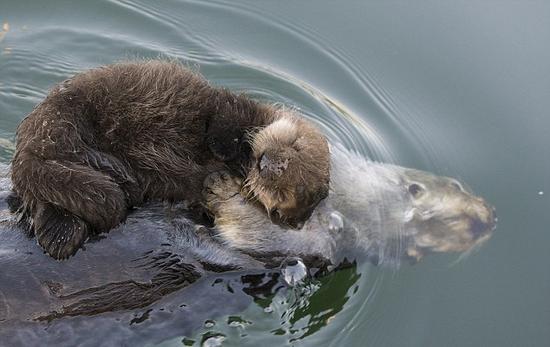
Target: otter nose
pixel 271 166
pixel 264 162
pixel 479 227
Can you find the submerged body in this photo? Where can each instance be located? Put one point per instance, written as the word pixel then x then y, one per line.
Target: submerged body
pixel 381 212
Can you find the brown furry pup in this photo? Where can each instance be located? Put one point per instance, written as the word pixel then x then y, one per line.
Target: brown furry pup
pixel 116 136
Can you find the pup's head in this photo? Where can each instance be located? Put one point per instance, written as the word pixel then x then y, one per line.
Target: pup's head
pixel 290 169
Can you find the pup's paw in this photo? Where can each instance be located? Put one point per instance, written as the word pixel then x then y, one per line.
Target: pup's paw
pixel 60 233
pixel 219 186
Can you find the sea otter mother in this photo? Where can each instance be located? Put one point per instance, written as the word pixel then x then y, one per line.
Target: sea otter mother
pixel 376 212
pixel 114 137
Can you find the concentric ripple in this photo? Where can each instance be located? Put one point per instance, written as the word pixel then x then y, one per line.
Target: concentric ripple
pixel 226 42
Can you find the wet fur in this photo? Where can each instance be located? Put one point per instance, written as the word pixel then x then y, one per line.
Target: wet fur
pixel 114 137
pixel 385 212
pixel 371 212
pixel 277 149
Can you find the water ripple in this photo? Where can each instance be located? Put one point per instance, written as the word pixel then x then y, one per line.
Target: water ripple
pixel 40 58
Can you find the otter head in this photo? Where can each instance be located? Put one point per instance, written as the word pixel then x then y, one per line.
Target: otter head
pixel 444 216
pixel 290 169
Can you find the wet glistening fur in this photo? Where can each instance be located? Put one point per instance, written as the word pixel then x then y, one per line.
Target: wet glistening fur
pixel 114 137
pixel 377 212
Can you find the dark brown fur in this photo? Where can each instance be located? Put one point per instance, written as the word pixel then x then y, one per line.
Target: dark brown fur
pixel 111 138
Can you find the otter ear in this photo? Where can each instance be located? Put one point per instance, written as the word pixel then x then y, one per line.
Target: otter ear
pixel 223 139
pixel 320 193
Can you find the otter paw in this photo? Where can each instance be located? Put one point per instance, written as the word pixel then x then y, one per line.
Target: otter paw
pixel 221 185
pixel 60 233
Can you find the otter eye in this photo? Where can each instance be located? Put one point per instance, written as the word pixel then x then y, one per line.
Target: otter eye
pixel 415 189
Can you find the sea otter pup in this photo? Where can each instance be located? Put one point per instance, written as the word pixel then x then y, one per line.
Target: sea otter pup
pixel 116 136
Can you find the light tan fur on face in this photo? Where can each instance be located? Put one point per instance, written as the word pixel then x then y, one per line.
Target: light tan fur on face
pixel 452 225
pixel 449 218
pixel 380 212
pixel 290 172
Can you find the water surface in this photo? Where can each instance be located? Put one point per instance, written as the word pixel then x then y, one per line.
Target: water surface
pixel 458 88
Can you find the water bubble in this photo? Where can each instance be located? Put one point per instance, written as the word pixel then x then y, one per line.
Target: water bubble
pixel 213 341
pixel 237 322
pixel 335 221
pixel 541 193
pixel 293 271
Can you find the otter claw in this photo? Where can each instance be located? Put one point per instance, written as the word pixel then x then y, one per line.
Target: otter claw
pixel 221 185
pixel 62 238
pixel 59 232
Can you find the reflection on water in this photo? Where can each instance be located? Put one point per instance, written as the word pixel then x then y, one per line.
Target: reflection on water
pixel 455 88
pixel 295 313
pixel 5 29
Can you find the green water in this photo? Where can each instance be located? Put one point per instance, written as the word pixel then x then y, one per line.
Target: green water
pixel 458 88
